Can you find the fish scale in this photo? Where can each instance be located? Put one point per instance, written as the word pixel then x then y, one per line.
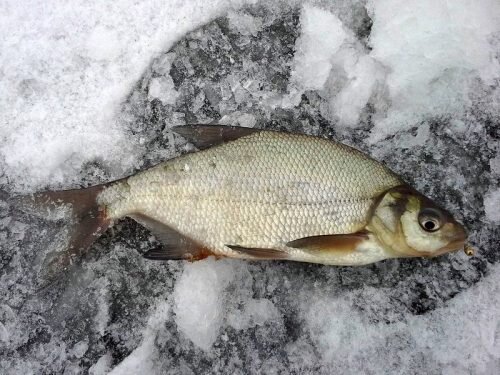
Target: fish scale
pixel 260 191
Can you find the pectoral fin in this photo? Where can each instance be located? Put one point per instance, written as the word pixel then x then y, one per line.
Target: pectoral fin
pixel 259 253
pixel 175 245
pixel 344 243
pixel 205 136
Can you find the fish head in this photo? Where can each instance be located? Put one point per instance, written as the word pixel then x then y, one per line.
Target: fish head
pixel 408 224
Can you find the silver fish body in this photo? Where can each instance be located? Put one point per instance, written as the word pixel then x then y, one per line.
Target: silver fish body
pixel 260 191
pixel 259 194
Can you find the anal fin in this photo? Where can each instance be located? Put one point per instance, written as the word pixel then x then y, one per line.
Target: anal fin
pixel 176 246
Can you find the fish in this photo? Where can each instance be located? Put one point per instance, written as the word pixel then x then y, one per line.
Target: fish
pixel 256 194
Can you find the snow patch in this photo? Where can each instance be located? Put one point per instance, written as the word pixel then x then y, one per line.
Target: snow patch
pixel 321 37
pixel 492 205
pixel 144 358
pixel 434 51
pixel 331 60
pixel 255 312
pixel 462 336
pixel 65 68
pixel 199 300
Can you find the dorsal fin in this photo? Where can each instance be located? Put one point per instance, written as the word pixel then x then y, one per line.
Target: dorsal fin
pixel 175 245
pixel 205 136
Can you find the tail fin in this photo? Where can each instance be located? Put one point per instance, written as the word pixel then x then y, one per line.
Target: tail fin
pixel 88 222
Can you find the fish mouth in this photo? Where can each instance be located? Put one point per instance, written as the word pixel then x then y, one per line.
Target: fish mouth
pixel 457 243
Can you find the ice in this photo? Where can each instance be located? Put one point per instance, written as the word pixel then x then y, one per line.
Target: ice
pixel 65 73
pixel 492 205
pixel 495 165
pixel 330 59
pixel 199 300
pixel 102 366
pixel 425 60
pixel 322 35
pixel 255 312
pixel 244 23
pixel 461 336
pixel 144 358
pixel 88 93
pixel 163 89
pixel 434 51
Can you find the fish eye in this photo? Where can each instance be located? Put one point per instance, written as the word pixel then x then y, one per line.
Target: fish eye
pixel 430 219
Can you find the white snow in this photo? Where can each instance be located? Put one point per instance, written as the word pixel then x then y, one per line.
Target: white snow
pixel 463 336
pixel 322 34
pixel 143 360
pixel 102 366
pixel 492 205
pixel 434 50
pixel 255 312
pixel 330 59
pixel 426 58
pixel 199 300
pixel 65 68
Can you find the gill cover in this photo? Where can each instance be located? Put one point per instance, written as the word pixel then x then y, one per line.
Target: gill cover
pixel 408 224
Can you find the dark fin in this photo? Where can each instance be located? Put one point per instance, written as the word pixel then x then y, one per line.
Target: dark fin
pixel 87 222
pixel 260 253
pixel 175 245
pixel 330 243
pixel 205 136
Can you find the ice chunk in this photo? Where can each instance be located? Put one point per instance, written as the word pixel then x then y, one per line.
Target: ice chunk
pixel 255 312
pixel 102 366
pixel 434 50
pixel 322 35
pixel 495 164
pixel 492 205
pixel 408 140
pixel 80 348
pixel 237 118
pixel 143 358
pixel 163 88
pixel 363 74
pixel 244 23
pixel 199 300
pixel 328 58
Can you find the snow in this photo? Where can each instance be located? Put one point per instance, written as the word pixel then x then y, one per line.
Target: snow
pixel 88 91
pixel 102 366
pixel 198 300
pixel 426 55
pixel 460 337
pixel 329 58
pixel 255 312
pixel 68 68
pixel 492 205
pixel 143 359
pixel 434 51
pixel 322 36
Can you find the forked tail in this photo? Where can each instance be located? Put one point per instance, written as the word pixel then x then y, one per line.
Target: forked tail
pixel 88 222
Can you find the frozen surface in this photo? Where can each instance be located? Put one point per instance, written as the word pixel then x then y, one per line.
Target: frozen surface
pixel 88 92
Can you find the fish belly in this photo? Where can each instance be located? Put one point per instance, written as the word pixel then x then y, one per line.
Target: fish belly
pixel 262 191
